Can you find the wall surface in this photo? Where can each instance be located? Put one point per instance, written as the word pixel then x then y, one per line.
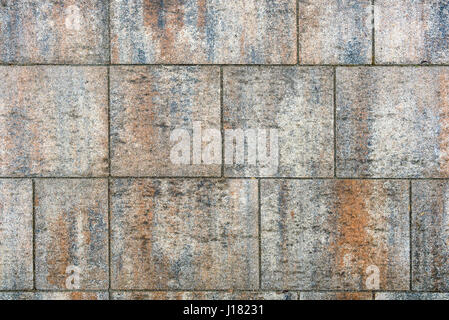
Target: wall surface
pixel 341 190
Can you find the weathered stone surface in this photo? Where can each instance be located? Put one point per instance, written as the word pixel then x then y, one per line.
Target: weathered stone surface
pixel 430 234
pixel 47 31
pixel 411 296
pixel 148 104
pixel 412 32
pixel 16 234
pixel 392 122
pixel 53 121
pixel 71 233
pixel 295 101
pixel 336 295
pixel 74 295
pixel 203 295
pixel 198 31
pixel 184 234
pixel 333 234
pixel 335 32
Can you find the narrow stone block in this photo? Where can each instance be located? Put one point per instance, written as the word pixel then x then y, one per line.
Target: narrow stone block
pixel 430 234
pixel 71 234
pixel 16 234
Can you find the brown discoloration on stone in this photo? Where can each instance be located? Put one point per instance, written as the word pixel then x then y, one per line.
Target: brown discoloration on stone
pixel 203 32
pixel 355 247
pixel 71 230
pixel 205 295
pixel 53 121
pixel 391 122
pixel 338 230
pixel 54 31
pixel 200 236
pixel 147 104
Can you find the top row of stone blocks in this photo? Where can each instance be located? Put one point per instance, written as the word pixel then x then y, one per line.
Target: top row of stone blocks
pixel 224 32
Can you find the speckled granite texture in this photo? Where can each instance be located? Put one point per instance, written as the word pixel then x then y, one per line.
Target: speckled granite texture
pixel 224 150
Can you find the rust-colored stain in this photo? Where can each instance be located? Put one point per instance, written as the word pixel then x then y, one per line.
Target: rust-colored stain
pixel 355 247
pixel 58 252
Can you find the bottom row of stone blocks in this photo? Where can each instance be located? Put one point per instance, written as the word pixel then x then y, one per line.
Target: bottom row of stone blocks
pixel 220 234
pixel 222 295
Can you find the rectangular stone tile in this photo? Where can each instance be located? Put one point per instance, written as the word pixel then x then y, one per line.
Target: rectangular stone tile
pixel 53 121
pixel 71 234
pixel 203 295
pixel 335 234
pixel 430 234
pixel 201 32
pixel 73 295
pixel 297 102
pixel 335 32
pixel 16 234
pixel 184 234
pixel 336 295
pixel 47 31
pixel 149 105
pixel 393 122
pixel 411 32
pixel 411 296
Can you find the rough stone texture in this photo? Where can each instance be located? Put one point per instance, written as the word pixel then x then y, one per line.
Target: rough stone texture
pixel 295 100
pixel 326 234
pixel 412 32
pixel 335 32
pixel 48 31
pixel 16 234
pixel 392 122
pixel 204 295
pixel 203 31
pixel 336 296
pixel 430 234
pixel 54 295
pixel 411 296
pixel 53 121
pixel 147 104
pixel 71 230
pixel 184 234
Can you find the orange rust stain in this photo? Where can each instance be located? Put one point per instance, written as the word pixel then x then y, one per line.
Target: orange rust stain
pixel 352 295
pixel 142 241
pixel 443 138
pixel 202 8
pixel 354 246
pixel 58 252
pixel 171 13
pixel 83 296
